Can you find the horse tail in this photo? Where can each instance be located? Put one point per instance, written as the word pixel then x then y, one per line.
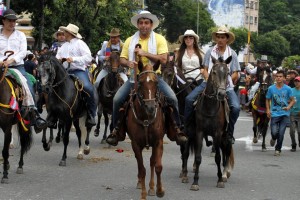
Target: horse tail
pixel 25 137
pixel 231 158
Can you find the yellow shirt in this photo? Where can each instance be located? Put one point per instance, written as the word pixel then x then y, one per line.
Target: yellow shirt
pixel 161 46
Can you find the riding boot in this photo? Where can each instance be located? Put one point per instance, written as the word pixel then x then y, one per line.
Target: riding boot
pixel 230 137
pixel 181 137
pixel 38 122
pixel 118 133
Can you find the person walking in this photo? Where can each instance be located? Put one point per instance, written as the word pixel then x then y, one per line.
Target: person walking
pixel 295 114
pixel 153 48
pixel 279 101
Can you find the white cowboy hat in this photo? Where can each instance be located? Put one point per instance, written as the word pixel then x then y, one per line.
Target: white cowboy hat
pixel 73 29
pixel 55 34
pixel 223 30
pixel 145 14
pixel 189 33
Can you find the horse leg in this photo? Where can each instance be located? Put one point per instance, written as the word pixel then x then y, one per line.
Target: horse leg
pixel 66 134
pixel 220 183
pixel 106 122
pixel 78 123
pixel 60 131
pixel 264 133
pixel 227 153
pixel 5 154
pixel 13 132
pixel 254 128
pixel 97 128
pixel 198 159
pixel 184 158
pixel 157 152
pixel 87 149
pixel 44 140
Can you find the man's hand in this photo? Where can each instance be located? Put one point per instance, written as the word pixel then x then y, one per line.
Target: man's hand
pixel 140 52
pixel 69 60
pixel 131 64
pixel 8 62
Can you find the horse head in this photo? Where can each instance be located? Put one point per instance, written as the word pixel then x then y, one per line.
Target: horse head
pixel 147 91
pixel 114 62
pixel 217 81
pixel 168 72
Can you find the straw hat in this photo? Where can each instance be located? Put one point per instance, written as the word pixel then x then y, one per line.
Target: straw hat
pixel 114 32
pixel 145 14
pixel 72 29
pixel 57 32
pixel 189 33
pixel 223 30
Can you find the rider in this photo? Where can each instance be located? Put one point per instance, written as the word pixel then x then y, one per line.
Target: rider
pixel 154 48
pixel 223 38
pixel 78 57
pixel 114 44
pixel 60 40
pixel 14 40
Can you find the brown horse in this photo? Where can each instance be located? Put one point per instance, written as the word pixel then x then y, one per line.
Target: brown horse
pixel 146 127
pixel 211 120
pixel 9 117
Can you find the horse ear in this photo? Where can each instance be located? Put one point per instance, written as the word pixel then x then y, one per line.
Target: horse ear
pixel 156 65
pixel 214 60
pixel 140 66
pixel 228 60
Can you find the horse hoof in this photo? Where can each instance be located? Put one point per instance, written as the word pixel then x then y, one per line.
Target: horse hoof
pixel 224 178
pixel 160 194
pixel 4 180
pixel 62 163
pixel 255 140
pixel 80 157
pixel 151 192
pixel 57 139
pixel 87 151
pixel 96 133
pixel 103 141
pixel 220 185
pixel 11 146
pixel 264 150
pixel 195 187
pixel 8 166
pixel 180 175
pixel 46 147
pixel 228 174
pixel 185 180
pixel 20 170
pixel 138 186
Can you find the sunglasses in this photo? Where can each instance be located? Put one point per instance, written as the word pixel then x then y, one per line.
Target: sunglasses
pixel 190 37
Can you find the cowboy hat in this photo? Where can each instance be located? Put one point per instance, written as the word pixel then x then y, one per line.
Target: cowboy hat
pixel 189 33
pixel 223 30
pixel 72 29
pixel 8 14
pixel 145 14
pixel 114 32
pixel 57 32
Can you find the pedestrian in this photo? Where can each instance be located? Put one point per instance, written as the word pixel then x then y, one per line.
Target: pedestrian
pixel 114 44
pixel 153 48
pixel 59 36
pixel 190 57
pixel 295 114
pixel 292 74
pixel 223 38
pixel 30 66
pixel 78 56
pixel 279 101
pixel 15 41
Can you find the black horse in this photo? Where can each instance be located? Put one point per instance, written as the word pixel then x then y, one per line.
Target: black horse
pixel 107 90
pixel 65 102
pixel 212 120
pixel 10 117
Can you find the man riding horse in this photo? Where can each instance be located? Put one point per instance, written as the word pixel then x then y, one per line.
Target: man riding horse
pixel 153 48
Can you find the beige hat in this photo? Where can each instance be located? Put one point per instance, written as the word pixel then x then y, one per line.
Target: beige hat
pixel 57 32
pixel 223 30
pixel 114 32
pixel 72 29
pixel 189 33
pixel 145 14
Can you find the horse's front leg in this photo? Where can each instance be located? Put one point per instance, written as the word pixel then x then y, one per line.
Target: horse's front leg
pixel 97 128
pixel 264 133
pixel 79 125
pixel 198 159
pixel 66 134
pixel 254 127
pixel 60 131
pixel 141 169
pixel 156 162
pixel 5 154
pixel 220 183
pixel 87 149
pixel 106 122
pixel 184 158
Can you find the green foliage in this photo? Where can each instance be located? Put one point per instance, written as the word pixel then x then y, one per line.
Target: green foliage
pixel 291 62
pixel 240 38
pixel 291 33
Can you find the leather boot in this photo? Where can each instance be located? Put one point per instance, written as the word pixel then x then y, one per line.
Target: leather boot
pixel 181 137
pixel 112 139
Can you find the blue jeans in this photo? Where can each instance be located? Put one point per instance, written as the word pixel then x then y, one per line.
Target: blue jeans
pixel 124 91
pixel 87 87
pixel 24 73
pixel 233 102
pixel 278 126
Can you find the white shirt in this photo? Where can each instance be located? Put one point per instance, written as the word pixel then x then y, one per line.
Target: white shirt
pixel 190 63
pixel 17 43
pixel 78 51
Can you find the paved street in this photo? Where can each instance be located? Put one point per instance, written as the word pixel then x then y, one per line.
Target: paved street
pixel 106 174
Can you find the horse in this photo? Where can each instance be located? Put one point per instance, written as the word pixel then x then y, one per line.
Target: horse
pixel 145 126
pixel 10 117
pixel 211 120
pixel 65 103
pixel 106 92
pixel 259 116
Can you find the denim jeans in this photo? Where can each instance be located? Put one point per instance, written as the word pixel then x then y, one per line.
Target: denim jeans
pixel 278 126
pixel 294 126
pixel 124 91
pixel 87 87
pixel 233 102
pixel 103 73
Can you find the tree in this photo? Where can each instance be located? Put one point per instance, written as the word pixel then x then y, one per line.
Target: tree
pixel 291 62
pixel 291 33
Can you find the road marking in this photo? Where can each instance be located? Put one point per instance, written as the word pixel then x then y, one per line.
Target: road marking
pixel 245 119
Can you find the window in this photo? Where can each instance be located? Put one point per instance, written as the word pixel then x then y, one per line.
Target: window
pixel 247 4
pixel 255 20
pixel 256 5
pixel 251 20
pixel 247 19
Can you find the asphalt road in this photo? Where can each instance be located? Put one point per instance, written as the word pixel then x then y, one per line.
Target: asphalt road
pixel 106 174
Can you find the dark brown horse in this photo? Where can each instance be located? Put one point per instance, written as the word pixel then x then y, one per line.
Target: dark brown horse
pixel 260 119
pixel 107 90
pixel 212 120
pixel 146 127
pixel 10 117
